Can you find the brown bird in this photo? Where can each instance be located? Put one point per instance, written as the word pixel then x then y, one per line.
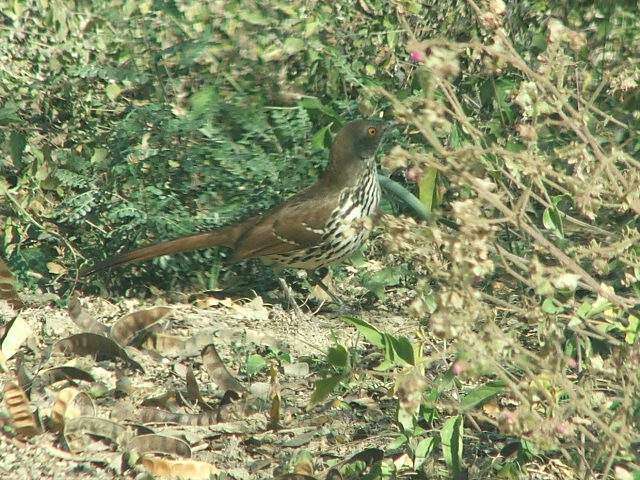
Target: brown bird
pixel 323 224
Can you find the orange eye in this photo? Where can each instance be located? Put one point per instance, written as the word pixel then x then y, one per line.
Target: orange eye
pixel 372 131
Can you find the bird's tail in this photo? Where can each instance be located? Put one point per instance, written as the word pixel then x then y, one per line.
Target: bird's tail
pixel 223 237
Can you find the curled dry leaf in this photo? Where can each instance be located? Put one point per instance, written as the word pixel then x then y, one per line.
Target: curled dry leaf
pixel 71 403
pixel 83 319
pixel 8 290
pixel 19 410
pixel 165 344
pixel 153 443
pixel 125 329
pixel 154 415
pixel 172 345
pixel 57 374
pixel 194 391
pixel 97 345
pixel 76 429
pixel 218 371
pixel 182 469
pixel 16 335
pixel 168 400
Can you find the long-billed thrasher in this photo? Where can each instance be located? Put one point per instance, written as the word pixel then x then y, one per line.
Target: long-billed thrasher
pixel 322 224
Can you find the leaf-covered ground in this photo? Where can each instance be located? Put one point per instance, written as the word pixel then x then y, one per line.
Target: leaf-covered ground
pixel 277 352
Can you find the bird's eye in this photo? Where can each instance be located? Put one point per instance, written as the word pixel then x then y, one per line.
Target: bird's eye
pixel 372 131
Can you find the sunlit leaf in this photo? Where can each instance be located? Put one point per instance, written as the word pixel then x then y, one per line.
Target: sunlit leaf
pixel 323 389
pixel 338 356
pixel 368 331
pixel 481 394
pixel 451 440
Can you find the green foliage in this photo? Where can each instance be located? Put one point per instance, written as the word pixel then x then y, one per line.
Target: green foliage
pixel 451 440
pixel 152 121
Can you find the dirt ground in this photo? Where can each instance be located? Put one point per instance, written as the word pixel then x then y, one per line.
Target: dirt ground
pixel 244 444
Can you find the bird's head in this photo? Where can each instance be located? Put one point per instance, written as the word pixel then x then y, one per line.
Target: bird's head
pixel 358 139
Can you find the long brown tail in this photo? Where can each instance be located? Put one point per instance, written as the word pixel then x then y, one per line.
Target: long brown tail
pixel 223 237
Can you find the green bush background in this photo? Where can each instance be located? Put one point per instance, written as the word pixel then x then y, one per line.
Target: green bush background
pixel 125 122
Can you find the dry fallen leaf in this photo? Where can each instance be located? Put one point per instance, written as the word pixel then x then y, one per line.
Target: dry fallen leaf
pixel 253 310
pixel 181 469
pixel 163 444
pixel 8 290
pixel 83 319
pixel 71 403
pixel 218 371
pixel 76 431
pixel 94 344
pixel 15 337
pixel 19 410
pixel 125 329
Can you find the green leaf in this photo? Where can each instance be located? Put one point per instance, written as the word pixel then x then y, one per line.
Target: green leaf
pixel 482 394
pixel 319 140
pixel 323 388
pixel 255 364
pixel 381 279
pixel 423 450
pixel 549 306
pixel 427 188
pixel 552 219
pixel 203 100
pixel 312 103
pixel 9 113
pixel 403 348
pixel 368 331
pixel 338 356
pixel 293 45
pixel 113 91
pixel 17 142
pixel 451 440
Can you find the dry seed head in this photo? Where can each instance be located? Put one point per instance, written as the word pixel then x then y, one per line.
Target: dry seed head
pixel 409 390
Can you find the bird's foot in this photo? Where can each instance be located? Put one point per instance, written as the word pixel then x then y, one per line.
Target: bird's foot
pixel 290 298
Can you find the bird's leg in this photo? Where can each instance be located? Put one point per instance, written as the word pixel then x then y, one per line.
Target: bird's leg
pixel 288 295
pixel 315 278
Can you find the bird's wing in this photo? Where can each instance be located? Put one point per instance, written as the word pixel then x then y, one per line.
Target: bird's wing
pixel 294 226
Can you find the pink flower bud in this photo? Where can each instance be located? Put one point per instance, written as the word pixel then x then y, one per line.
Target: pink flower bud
pixel 458 367
pixel 416 56
pixel 413 174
